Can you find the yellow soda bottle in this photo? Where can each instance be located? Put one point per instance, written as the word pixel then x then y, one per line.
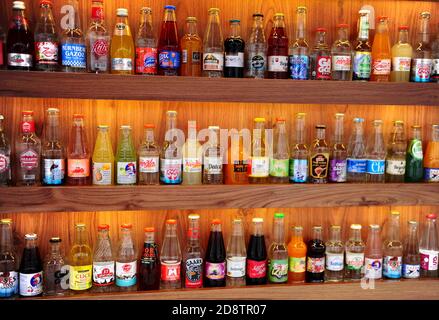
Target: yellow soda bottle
pixel 81 261
pixel 122 45
pixel 103 158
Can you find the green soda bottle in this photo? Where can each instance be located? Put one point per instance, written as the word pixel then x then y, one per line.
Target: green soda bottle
pixel 126 158
pixel 414 168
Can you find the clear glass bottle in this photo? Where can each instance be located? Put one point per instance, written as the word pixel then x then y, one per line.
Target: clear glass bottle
pixel 256 49
pixel 149 157
pixel 78 155
pixel 126 158
pixel 103 261
pixel 55 269
pixel 81 261
pixel 338 156
pixel 192 157
pixel 234 47
pixel 213 159
pixel 362 64
pixel 435 59
pixel 422 56
pixel 354 249
pixel 170 258
pixel 319 157
pixel 411 261
pixel 402 53
pixel 320 57
pixel 5 156
pixel 429 248
pixel 342 54
pixel 392 248
pixel 193 255
pixel 299 49
pixel 381 55
pixel 356 161
pixel 259 165
pixel 376 154
pixel 98 40
pixel 396 154
pixel 171 158
pixel 9 261
pixel 236 256
pixel 279 163
pixel 299 153
pixel 46 39
pixel 146 45
pixel 122 45
pixel 373 253
pixel 414 171
pixel 126 260
pixel 278 253
pixel 192 49
pixel 213 46
pixel 103 158
pixel 334 256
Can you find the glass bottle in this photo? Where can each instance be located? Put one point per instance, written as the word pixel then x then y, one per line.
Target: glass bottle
pixel 146 45
pixel 422 55
pixel 236 256
pixel 193 255
pixel 373 253
pixel 126 260
pixel 9 262
pixel 376 154
pixel 213 159
pixel 299 49
pixel 215 270
pixel 278 253
pixel 213 46
pixel 356 161
pixel 149 158
pixel 98 40
pixel 149 262
pixel 256 273
pixel 235 170
pixel 402 53
pixel 334 257
pixel 103 158
pixel 234 47
pixel 342 54
pixel 168 46
pixel 192 157
pixel 296 256
pixel 354 249
pixel 396 154
pixel 126 158
pixel 411 261
pixel 299 154
pixel 53 152
pixel 319 157
pixel 435 59
pixel 31 268
pixel 320 57
pixel 414 157
pixel 277 51
pixel 338 155
pixel 78 155
pixel 122 45
pixel 279 163
pixel 256 49
pixel 103 261
pixel 81 261
pixel 46 39
pixel 3 55
pixel 429 248
pixel 192 49
pixel 315 262
pixel 5 156
pixel 392 248
pixel 381 55
pixel 171 155
pixel 170 258
pixel 55 269
pixel 259 163
pixel 362 65
pixel 431 160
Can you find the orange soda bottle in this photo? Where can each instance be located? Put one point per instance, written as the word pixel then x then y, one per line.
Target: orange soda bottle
pixel 381 52
pixel 431 158
pixel 296 256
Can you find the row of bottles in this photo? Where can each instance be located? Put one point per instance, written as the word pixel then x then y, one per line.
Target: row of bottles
pixel 215 56
pixel 315 261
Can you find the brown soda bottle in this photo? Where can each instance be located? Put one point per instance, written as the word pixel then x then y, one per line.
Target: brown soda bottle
pixel 381 55
pixel 235 170
pixel 192 50
pixel 215 270
pixel 149 272
pixel 277 54
pixel 78 154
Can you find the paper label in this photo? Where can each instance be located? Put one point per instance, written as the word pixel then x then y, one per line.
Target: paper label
pixel 279 167
pixel 213 61
pixel 54 171
pixel 297 265
pixel 256 269
pixel 429 259
pixel 29 159
pixel 236 267
pixel 341 63
pixel 319 165
pixel 121 64
pixel 323 68
pixel 103 273
pixel 334 261
pixel 298 170
pixel 169 59
pixel 337 170
pixel 78 168
pixel 126 273
pixel 170 171
pixel 373 268
pixel 278 271
pixel 80 277
pixel 170 271
pixel 213 165
pixel 194 273
pixel 315 265
pixel 395 167
pixel 20 60
pixel 4 163
pixel 411 271
pixel 192 165
pixel 74 55
pixel 31 284
pixel 258 61
pixel 354 261
pixel 258 167
pixel 362 64
pixel 392 267
pixel 102 173
pixel 235 60
pixel 146 60
pixel 215 271
pixel 356 165
pixel 431 174
pixel 299 66
pixel 149 164
pixel 278 63
pixel 99 53
pixel 434 69
pixel 421 70
pixel 401 64
pixel 375 166
pixel 126 172
pixel 8 284
pixel 46 52
pixel 381 66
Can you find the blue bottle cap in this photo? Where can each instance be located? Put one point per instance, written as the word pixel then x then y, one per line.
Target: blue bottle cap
pixel 170 7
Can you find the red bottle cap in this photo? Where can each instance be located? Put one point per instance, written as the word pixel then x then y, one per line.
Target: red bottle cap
pixel 342 25
pixel 171 221
pixel 149 229
pixel 431 216
pixel 216 221
pixel 49 2
pixel 280 119
pixel 382 18
pixel 27 113
pixel 103 227
pixel 403 27
pixel 149 126
pixel 321 29
pixel 78 115
pixel 126 226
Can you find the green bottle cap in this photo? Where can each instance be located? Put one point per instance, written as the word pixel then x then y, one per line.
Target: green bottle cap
pixel 279 215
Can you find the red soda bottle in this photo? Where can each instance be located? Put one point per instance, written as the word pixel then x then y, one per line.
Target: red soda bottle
pixel 168 48
pixel 278 49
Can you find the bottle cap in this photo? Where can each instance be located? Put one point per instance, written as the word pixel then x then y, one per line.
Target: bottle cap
pixel 78 116
pixel 321 29
pixel 122 12
pixel 213 128
pixel 48 2
pixel 258 15
pixel 335 227
pixel 6 221
pixel 279 215
pixel 103 126
pixel 298 228
pixel 342 25
pixel 103 227
pixel 435 126
pixel 80 225
pixel 125 127
pixel 301 8
pixel 19 5
pixel 394 213
pixel 149 229
pixel 358 120
pixel 171 112
pixel 339 115
pixel 416 126
pixel 382 18
pixel 300 114
pixel 213 10
pixel 216 221
pixel 50 110
pixel 425 14
pixel 280 119
pixel 149 126
pixel 194 216
pixel 126 226
pixel 403 27
pixel 55 240
pixel 191 19
pixel 320 126
pixel 413 222
pixel 317 228
pixel 398 122
pixel 27 113
pixel 234 21
pixel 169 7
pixel 30 236
pixel 364 11
pixel 259 119
pixel 237 221
pixel 146 10
pixel 279 14
pixel 257 220
pixel 431 216
pixel 1 117
pixel 374 226
pixel 377 121
pixel 171 221
pixel 356 226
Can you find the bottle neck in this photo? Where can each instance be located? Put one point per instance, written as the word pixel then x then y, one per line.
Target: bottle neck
pixel 103 235
pixel 31 244
pixel 55 249
pixel 169 15
pixel 235 30
pixel 171 123
pixel 300 131
pixel 320 134
pixel 81 238
pixel 338 135
pixel 393 231
pixel 5 238
pixel 192 28
pixel 321 39
pixel 416 134
pixel 53 129
pixel 257 229
pixel 258 25
pixel 150 237
pixel 298 235
pixel 363 30
pixel 317 234
pixel 97 12
pixel 412 238
pixel 301 25
pixel 403 37
pixel 46 14
pixel 435 134
pixel 335 234
pixel 343 34
pixel 149 135
pixel 424 30
pixel 278 231
pixel 355 235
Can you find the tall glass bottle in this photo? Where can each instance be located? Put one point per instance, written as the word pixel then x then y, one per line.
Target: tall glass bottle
pixel 422 55
pixel 279 163
pixel 319 157
pixel 146 45
pixel 277 51
pixel 2 48
pixel 373 253
pixel 435 58
pixel 356 161
pixel 429 248
pixel 213 47
pixel 215 269
pixel 299 49
pixel 149 157
pixel 46 39
pixel 362 65
pixel 234 47
pixel 78 155
pixel 342 53
pixel 354 249
pixel 320 57
pixel 31 268
pixel 193 255
pixel 55 269
pixel 9 262
pixel 334 257
pixel 126 260
pixel 338 155
pixel 81 261
pixel 414 171
pixel 169 50
pixel 103 158
pixel 402 53
pixel 256 273
pixel 5 156
pixel 431 160
pixel 376 154
pixel 278 253
pixel 297 256
pixel 259 163
pixel 236 256
pixel 170 258
pixel 103 261
pixel 299 153
pixel 171 155
pixel 192 157
pixel 98 40
pixel 411 261
pixel 149 273
pixel 315 262
pixel 396 154
pixel 126 158
pixel 392 248
pixel 122 45
pixel 213 159
pixel 192 49
pixel 256 49
pixel 381 55
pixel 235 169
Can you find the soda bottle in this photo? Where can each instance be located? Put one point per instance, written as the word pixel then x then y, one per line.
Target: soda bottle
pixel 356 161
pixel 299 153
pixel 73 49
pixel 396 154
pixel 234 47
pixel 258 168
pixel 46 39
pixel 213 47
pixel 149 155
pixel 277 52
pixel 53 151
pixel 431 161
pixel 402 53
pixel 381 55
pixel 20 41
pixel 215 274
pixel 319 157
pixel 376 154
pixel 192 157
pixel 5 156
pixel 256 49
pixel 341 53
pixel 103 158
pixel 236 256
pixel 31 268
pixel 256 273
pixel 278 253
pixel 362 65
pixel 411 261
pixel 98 40
pixel 126 260
pixel 279 163
pixel 354 249
pixel 213 159
pixel 81 261
pixel 320 57
pixel 170 258
pixel 338 156
pixel 315 262
pixel 126 158
pixel 55 269
pixel 422 55
pixel 2 48
pixel 392 248
pixel 192 49
pixel 28 152
pixel 146 45
pixel 169 48
pixel 373 253
pixel 236 168
pixel 103 261
pixel 171 155
pixel 429 248
pixel 122 45
pixel 299 49
pixel 149 263
pixel 435 59
pixel 296 256
pixel 414 171
pixel 8 261
pixel 192 259
pixel 78 155
pixel 334 257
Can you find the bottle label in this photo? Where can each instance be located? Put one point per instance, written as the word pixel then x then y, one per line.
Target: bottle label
pixel 381 66
pixel 429 259
pixel 395 167
pixel 258 167
pixel 196 57
pixel 362 64
pixel 121 64
pixel 297 265
pixel 99 53
pixel 235 60
pixel 102 173
pixel 299 170
pixel 80 277
pixel 20 60
pixel 213 61
pixel 374 268
pixel 411 271
pixel 434 69
pixel 8 284
pixel 169 59
pixel 319 165
pixel 356 165
pixel 194 273
pixel 213 165
pixel 170 272
pixel 354 261
pixel 337 170
pixel 120 29
pixel 146 60
pixel 257 62
pixel 392 267
pixel 126 172
pixel 240 166
pixel 78 168
pixel 334 261
pixel 192 165
pixel 126 273
pixel 54 171
pixel 431 174
pixel 148 164
pixel 375 166
pixel 27 126
pixel 416 149
pixel 279 167
pixel 29 160
pixel 299 66
pixel 421 70
pixel 74 55
pixel 4 163
pixel 315 265
pixel 256 269
pixel 401 64
pixel 278 271
pixel 323 68
pixel 46 52
pixel 278 63
pixel 149 253
pixel 341 63
pixel 184 56
pixel 236 267
pixel 170 170
pixel 31 284
pixel 103 274
pixel 215 271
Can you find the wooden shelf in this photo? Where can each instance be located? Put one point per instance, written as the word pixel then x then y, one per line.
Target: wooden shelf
pixel 92 86
pixel 118 198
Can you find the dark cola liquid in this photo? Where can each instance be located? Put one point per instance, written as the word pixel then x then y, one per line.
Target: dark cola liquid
pixel 31 264
pixel 215 268
pixel 20 44
pixel 234 49
pixel 150 268
pixel 315 262
pixel 256 272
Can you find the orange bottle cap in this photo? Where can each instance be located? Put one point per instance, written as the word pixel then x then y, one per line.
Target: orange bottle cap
pixel 171 221
pixel 126 226
pixel 103 227
pixel 149 229
pixel 149 126
pixel 216 221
